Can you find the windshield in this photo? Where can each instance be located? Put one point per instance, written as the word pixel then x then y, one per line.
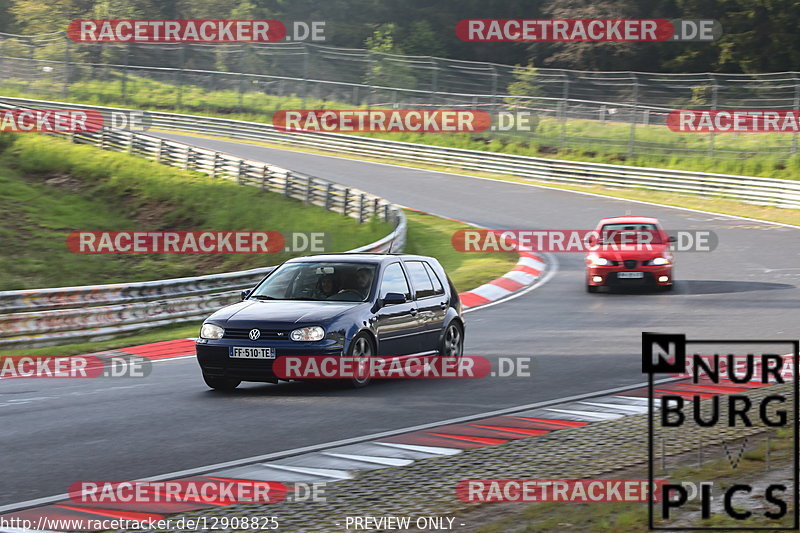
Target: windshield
pixel 318 281
pixel 631 233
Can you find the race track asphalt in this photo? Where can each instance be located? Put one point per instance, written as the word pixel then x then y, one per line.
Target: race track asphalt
pixel 55 432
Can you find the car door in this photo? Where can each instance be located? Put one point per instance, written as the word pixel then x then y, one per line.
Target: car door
pixel 397 326
pixel 431 303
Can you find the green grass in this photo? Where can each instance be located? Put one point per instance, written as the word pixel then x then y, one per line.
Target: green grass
pixel 763 154
pixel 430 235
pixel 51 187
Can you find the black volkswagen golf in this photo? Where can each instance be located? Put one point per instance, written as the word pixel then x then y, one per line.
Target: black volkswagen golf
pixel 351 304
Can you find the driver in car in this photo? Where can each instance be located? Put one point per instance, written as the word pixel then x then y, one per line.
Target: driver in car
pixel 325 288
pixel 363 281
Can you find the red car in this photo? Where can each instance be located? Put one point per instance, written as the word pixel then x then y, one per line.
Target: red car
pixel 629 251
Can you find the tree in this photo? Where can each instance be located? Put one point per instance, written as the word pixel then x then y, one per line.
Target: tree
pixel 385 70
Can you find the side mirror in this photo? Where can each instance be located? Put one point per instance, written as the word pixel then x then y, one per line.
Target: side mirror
pixel 246 293
pixel 672 238
pixel 393 298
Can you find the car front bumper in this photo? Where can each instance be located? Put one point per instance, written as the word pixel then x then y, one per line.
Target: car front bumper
pixel 608 275
pixel 214 357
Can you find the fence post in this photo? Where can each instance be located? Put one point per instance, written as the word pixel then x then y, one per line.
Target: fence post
pixel 214 165
pixel 564 107
pixel 240 172
pixel 386 212
pixel 309 188
pixel 67 67
pixel 795 106
pixel 179 73
pixel 632 135
pixel 361 207
pixel 160 150
pixel 125 72
pixel 494 87
pixel 306 63
pixel 328 196
pixel 31 61
pixel 264 177
pixel 713 107
pixel 345 201
pixel 434 80
pixel 287 187
pixel 242 68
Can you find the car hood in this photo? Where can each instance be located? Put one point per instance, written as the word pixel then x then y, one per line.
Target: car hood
pixel 251 313
pixel 637 252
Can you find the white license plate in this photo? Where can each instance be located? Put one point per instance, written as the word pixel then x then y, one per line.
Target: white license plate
pixel 630 275
pixel 241 352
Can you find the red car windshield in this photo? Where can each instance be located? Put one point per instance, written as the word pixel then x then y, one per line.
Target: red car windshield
pixel 631 233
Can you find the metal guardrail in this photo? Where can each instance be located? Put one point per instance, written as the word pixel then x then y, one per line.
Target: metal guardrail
pixel 762 191
pixel 44 317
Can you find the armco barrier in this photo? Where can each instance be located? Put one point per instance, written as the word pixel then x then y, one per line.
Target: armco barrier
pixel 761 191
pixel 44 317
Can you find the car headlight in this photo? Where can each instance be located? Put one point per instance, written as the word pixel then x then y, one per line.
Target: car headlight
pixel 659 261
pixel 597 260
pixel 211 331
pixel 311 333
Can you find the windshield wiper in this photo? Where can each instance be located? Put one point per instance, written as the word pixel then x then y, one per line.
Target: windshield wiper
pixel 262 297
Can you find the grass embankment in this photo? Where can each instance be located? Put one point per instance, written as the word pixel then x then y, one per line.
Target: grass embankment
pixel 49 187
pixel 765 155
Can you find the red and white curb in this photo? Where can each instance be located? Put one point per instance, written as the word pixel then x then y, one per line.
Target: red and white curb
pixel 528 271
pixel 342 460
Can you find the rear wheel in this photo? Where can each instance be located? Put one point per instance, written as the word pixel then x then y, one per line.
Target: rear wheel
pixel 362 348
pixel 453 341
pixel 665 288
pixel 220 383
pixel 592 288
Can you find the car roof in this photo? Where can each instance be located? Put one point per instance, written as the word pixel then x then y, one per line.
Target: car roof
pixel 629 220
pixel 360 257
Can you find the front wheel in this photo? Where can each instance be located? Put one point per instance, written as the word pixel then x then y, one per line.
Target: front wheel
pixel 220 383
pixel 453 341
pixel 592 288
pixel 362 348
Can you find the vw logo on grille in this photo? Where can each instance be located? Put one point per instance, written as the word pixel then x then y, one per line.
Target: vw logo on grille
pixel 254 334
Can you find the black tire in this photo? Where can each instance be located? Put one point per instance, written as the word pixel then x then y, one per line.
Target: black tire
pixel 360 346
pixel 592 288
pixel 665 288
pixel 452 344
pixel 220 383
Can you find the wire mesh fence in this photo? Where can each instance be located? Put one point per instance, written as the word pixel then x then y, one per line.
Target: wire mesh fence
pixel 594 112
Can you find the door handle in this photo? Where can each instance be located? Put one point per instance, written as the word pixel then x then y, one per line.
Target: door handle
pixel 443 305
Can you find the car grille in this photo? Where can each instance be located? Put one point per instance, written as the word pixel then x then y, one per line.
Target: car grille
pixel 266 334
pixel 629 263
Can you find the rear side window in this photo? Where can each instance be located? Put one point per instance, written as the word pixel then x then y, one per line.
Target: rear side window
pixel 437 285
pixel 394 280
pixel 420 279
